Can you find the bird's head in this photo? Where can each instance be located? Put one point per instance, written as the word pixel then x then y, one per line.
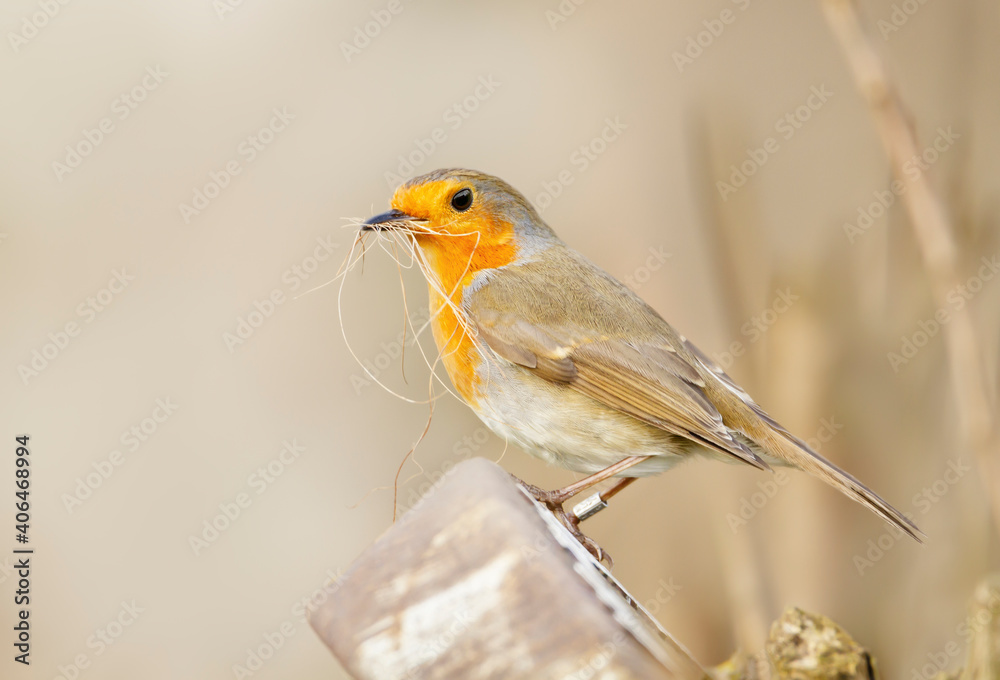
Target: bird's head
pixel 464 221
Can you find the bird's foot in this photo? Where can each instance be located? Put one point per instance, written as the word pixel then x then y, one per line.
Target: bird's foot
pixel 572 523
pixel 554 501
pixel 551 499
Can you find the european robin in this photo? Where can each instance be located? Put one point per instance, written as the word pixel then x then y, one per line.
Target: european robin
pixel 559 357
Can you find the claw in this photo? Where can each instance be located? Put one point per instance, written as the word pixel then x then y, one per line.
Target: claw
pixel 554 502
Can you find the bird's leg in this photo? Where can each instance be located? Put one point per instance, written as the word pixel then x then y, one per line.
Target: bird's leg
pixel 618 486
pixel 586 509
pixel 554 500
pixel 594 503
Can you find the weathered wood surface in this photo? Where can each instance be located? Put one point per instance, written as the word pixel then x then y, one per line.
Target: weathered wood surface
pixel 478 581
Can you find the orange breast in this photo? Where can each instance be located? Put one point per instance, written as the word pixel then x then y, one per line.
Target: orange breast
pixel 458 351
pixel 456 261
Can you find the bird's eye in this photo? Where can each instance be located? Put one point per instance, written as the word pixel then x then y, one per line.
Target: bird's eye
pixel 462 200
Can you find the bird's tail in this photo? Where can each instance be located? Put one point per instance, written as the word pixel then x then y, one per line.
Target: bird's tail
pixel 795 452
pixel 778 446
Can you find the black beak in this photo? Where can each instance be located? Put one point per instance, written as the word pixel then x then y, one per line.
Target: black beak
pixel 387 220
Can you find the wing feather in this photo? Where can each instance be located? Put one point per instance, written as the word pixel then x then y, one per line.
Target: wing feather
pixel 649 381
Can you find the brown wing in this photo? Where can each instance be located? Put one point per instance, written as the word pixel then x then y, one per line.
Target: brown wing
pixel 648 380
pixel 578 326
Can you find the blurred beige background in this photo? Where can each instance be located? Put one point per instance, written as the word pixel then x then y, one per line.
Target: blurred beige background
pixel 183 90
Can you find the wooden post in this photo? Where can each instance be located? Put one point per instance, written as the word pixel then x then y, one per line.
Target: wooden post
pixel 479 581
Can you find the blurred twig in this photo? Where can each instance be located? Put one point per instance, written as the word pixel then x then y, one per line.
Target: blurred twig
pixel 934 235
pixel 984 626
pixel 736 265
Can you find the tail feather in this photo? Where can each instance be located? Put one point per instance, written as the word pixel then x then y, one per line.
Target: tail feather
pixel 778 446
pixel 797 453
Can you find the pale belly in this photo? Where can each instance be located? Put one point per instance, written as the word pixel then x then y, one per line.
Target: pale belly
pixel 569 429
